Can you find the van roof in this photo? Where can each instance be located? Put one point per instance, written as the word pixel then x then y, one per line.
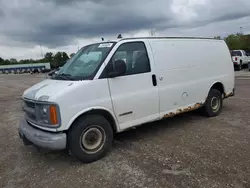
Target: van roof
pixel 136 38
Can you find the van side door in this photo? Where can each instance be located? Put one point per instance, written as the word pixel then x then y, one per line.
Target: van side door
pixel 135 94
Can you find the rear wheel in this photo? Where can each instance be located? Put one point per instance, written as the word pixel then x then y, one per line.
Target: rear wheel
pixel 90 138
pixel 214 103
pixel 239 66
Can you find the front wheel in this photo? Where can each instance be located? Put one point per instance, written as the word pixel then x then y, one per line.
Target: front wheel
pixel 214 103
pixel 90 138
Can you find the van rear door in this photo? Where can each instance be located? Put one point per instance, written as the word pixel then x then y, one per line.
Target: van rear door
pixel 134 95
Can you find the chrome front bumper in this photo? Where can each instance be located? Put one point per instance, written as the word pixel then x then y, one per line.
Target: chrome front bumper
pixel 40 138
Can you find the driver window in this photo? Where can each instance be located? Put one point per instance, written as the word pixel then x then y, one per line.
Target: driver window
pixel 135 56
pixel 120 55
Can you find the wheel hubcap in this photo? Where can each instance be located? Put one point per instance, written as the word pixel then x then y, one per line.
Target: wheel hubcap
pixel 93 139
pixel 215 104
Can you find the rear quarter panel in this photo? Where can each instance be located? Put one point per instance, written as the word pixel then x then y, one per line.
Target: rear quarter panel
pixel 190 66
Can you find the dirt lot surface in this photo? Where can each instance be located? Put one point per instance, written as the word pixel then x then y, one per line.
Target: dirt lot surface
pixel 185 151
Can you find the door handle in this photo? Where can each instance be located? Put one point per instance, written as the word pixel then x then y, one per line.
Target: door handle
pixel 154 81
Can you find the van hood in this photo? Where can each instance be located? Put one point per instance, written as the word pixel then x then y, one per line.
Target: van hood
pixel 44 90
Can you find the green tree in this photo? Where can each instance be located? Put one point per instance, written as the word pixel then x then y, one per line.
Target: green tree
pixel 7 62
pixel 48 57
pixel 233 41
pixel 1 61
pixel 217 37
pixel 58 58
pixel 245 42
pixel 238 41
pixel 65 57
pixel 72 54
pixel 22 61
pixel 13 61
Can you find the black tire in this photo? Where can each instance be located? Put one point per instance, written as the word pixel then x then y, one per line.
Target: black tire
pixel 209 109
pixel 82 128
pixel 239 67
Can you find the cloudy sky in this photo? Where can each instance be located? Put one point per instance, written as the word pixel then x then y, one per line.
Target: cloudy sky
pixel 65 25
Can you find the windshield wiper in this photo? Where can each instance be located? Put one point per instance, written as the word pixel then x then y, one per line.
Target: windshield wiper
pixel 64 76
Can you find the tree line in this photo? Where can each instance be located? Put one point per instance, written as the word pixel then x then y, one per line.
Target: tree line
pixel 237 41
pixel 56 60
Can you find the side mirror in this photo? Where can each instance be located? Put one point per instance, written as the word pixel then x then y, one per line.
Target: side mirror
pixel 119 69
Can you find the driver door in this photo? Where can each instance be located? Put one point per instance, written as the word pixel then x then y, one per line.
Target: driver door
pixel 135 94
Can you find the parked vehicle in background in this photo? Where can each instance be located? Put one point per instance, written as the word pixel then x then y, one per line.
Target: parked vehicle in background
pixel 35 71
pixel 110 87
pixel 23 68
pixel 45 71
pixel 248 55
pixel 239 58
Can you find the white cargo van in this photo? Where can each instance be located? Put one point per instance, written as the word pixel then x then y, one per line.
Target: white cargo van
pixel 109 87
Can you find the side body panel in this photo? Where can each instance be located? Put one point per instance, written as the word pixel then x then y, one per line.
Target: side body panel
pixel 187 69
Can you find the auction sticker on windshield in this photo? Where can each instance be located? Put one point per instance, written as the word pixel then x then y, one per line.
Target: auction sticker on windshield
pixel 105 45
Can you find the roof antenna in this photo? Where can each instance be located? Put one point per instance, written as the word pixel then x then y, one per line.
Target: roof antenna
pixel 119 36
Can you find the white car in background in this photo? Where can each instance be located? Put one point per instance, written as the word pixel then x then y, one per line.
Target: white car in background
pixel 248 55
pixel 239 58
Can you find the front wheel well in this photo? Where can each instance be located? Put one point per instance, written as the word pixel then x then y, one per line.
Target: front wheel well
pixel 103 113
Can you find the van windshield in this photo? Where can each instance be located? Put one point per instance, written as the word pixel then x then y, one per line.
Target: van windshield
pixel 85 63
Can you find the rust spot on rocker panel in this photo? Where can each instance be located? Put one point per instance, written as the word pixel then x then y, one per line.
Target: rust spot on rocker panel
pixel 180 111
pixel 228 95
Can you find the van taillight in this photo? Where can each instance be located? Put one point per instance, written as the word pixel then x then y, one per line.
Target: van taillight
pixel 236 58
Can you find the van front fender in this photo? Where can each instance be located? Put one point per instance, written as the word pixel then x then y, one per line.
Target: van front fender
pixel 92 110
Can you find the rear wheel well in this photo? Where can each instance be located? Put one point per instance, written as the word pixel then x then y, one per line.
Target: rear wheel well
pixel 103 113
pixel 219 86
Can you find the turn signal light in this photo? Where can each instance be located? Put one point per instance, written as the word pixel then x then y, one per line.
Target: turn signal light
pixel 53 115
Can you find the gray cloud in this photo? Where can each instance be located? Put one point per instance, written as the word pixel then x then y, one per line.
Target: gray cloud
pixel 71 2
pixel 224 10
pixel 60 22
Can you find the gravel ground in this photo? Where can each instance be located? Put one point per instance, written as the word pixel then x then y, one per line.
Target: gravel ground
pixel 185 151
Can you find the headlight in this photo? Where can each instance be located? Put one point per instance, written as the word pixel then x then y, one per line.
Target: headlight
pixel 47 114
